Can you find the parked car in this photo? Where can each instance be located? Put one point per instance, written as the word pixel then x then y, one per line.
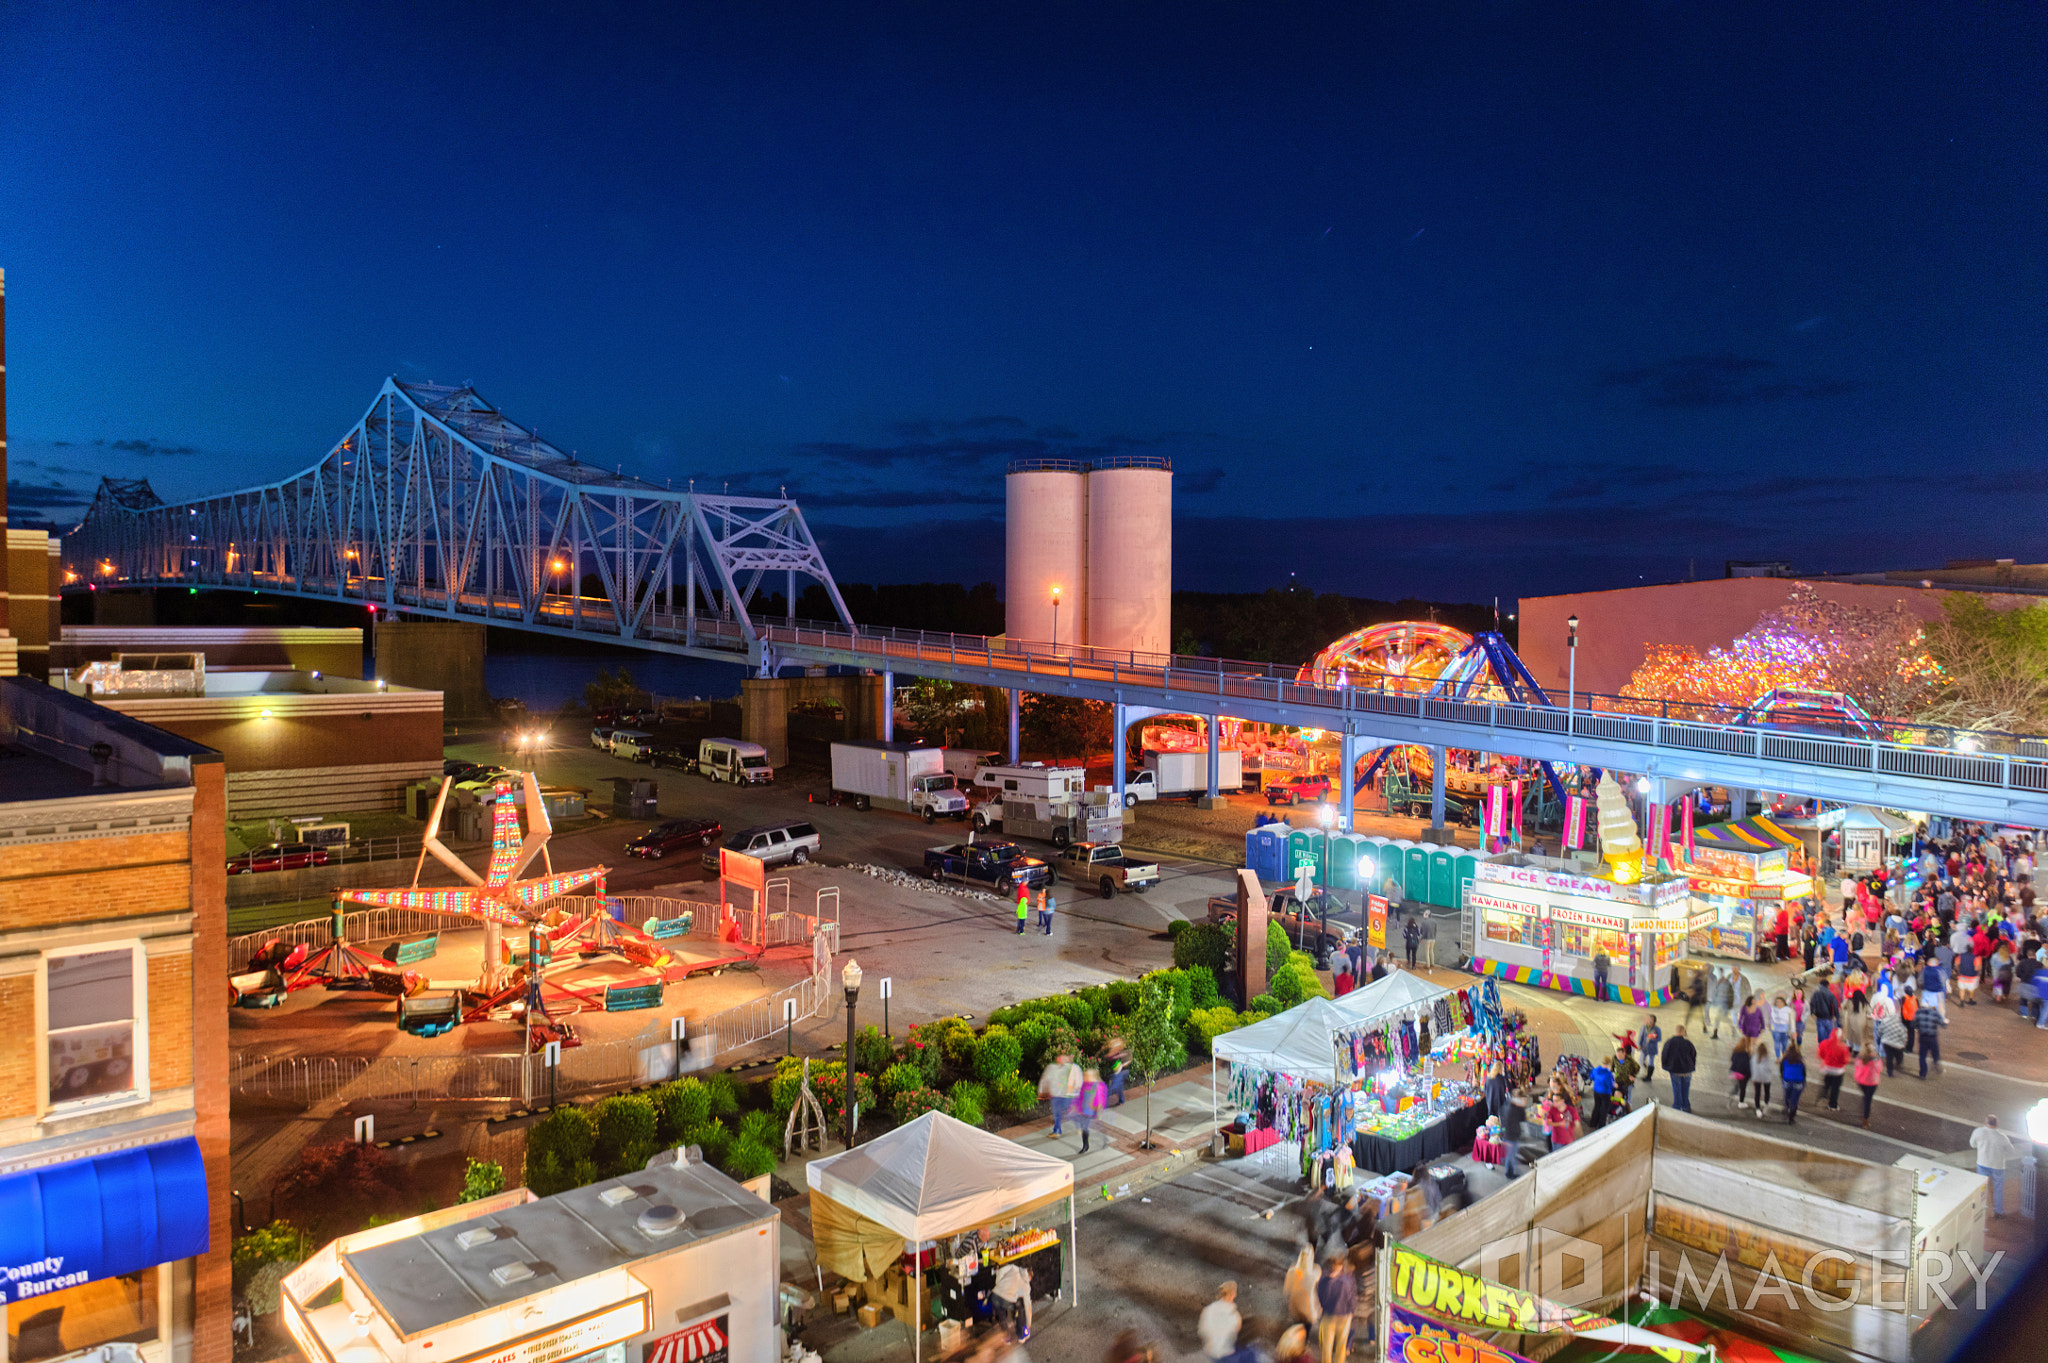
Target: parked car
pixel 1298 788
pixel 627 743
pixel 776 843
pixel 1104 865
pixel 279 856
pixel 483 780
pixel 666 755
pixel 676 835
pixel 1002 866
pixel 601 737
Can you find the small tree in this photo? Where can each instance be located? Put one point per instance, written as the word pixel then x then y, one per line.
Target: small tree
pixel 1155 1042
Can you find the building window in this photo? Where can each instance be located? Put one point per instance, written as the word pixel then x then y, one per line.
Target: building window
pixel 113 1311
pixel 95 1027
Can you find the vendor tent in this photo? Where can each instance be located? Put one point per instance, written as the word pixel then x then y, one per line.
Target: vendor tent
pixel 1745 835
pixel 925 1180
pixel 1403 991
pixel 1296 1042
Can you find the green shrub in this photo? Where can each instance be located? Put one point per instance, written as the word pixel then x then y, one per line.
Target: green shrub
pixel 1034 1035
pixel 681 1104
pixel 956 1043
pixel 926 1049
pixel 760 1128
pixel 1268 1005
pixel 969 1088
pixel 750 1159
pixel 899 1078
pixel 278 1242
pixel 1277 947
pixel 964 1108
pixel 1203 944
pixel 1013 1095
pixel 1180 987
pixel 1123 996
pixel 872 1051
pixel 712 1138
pixel 626 1126
pixel 914 1103
pixel 480 1179
pixel 1061 1039
pixel 1204 1025
pixel 725 1094
pixel 560 1152
pixel 1297 982
pixel 1009 1015
pixel 1202 991
pixel 1178 928
pixel 997 1055
pixel 1078 1011
pixel 1099 1011
pixel 830 1087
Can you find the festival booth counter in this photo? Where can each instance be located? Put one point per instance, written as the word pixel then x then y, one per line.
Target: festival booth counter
pixel 1543 921
pixel 1352 1081
pixel 1755 1240
pixel 921 1219
pixel 1741 874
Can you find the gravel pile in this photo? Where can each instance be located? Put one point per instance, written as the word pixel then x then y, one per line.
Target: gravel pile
pixel 916 882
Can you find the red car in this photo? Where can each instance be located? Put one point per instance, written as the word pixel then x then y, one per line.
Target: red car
pixel 1297 788
pixel 279 856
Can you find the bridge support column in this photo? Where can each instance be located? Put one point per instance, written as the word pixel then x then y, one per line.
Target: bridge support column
pixel 1119 716
pixel 1214 799
pixel 764 716
pixel 1437 758
pixel 1347 780
pixel 1738 803
pixel 436 655
pixel 1015 695
pixel 889 707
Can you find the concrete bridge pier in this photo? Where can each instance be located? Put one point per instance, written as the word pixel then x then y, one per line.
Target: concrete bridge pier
pixel 1437 833
pixel 1015 697
pixel 436 655
pixel 765 703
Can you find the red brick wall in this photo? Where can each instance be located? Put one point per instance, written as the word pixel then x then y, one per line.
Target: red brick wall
pixel 18 1046
pixel 212 1323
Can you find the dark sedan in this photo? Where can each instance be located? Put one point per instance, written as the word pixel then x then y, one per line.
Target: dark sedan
pixel 279 856
pixel 676 835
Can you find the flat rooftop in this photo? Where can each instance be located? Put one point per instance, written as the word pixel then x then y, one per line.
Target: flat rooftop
pixel 47 738
pixel 442 1276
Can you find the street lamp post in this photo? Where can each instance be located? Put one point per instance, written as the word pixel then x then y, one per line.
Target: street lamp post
pixel 1055 617
pixel 849 978
pixel 1571 653
pixel 1328 818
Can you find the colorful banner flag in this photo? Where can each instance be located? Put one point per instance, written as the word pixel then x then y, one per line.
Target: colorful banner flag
pixel 1376 921
pixel 1496 811
pixel 1660 831
pixel 1687 831
pixel 1417 1339
pixel 1574 821
pixel 1515 794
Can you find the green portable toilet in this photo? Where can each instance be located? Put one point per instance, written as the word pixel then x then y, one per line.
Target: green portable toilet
pixel 1371 852
pixel 1304 848
pixel 1346 851
pixel 1443 888
pixel 1463 873
pixel 1394 865
pixel 1415 880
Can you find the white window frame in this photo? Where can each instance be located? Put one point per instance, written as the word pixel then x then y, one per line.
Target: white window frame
pixel 48 1110
pixel 157 1350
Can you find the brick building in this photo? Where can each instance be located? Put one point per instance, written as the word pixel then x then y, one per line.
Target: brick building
pixel 114 1229
pixel 29 569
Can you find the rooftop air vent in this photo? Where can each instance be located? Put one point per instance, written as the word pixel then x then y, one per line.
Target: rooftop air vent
pixel 481 1235
pixel 612 1197
pixel 660 1221
pixel 504 1275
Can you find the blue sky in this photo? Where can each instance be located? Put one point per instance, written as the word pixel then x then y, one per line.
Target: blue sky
pixel 1446 299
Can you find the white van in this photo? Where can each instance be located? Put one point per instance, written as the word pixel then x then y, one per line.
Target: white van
pixel 729 759
pixel 629 743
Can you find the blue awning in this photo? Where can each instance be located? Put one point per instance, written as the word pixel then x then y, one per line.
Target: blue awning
pixel 72 1223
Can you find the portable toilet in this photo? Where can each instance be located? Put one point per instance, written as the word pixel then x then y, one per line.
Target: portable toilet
pixel 1393 866
pixel 1415 879
pixel 1265 851
pixel 1346 850
pixel 1443 886
pixel 1304 848
pixel 1371 852
pixel 1463 873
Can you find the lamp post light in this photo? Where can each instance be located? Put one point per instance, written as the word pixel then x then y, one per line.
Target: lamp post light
pixel 1571 653
pixel 849 978
pixel 1328 817
pixel 1055 617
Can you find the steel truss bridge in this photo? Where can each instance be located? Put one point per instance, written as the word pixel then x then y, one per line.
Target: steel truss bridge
pixel 436 504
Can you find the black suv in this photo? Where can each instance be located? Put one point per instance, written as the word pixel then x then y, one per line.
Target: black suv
pixel 676 835
pixel 666 755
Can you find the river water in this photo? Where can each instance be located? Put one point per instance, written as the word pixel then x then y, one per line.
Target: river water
pixel 547 681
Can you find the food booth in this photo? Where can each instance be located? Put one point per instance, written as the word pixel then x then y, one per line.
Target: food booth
pixel 1541 921
pixel 1742 873
pixel 675 1262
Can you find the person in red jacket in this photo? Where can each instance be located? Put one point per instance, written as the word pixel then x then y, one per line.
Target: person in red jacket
pixel 1835 1059
pixel 1781 932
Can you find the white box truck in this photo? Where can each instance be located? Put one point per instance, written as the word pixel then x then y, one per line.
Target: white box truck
pixel 1182 776
pixel 1086 818
pixel 902 776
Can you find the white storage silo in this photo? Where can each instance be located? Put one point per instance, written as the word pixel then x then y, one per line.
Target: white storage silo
pixel 1130 554
pixel 1045 538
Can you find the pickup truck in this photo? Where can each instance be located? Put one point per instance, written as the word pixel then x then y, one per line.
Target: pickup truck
pixel 1002 866
pixel 1105 866
pixel 1297 788
pixel 1303 924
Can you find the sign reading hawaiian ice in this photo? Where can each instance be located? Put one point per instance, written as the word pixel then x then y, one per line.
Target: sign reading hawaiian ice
pixel 708 1341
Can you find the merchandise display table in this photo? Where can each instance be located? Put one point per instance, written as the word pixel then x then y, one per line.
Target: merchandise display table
pixel 1388 1145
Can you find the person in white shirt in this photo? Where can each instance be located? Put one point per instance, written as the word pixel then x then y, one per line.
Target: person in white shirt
pixel 1218 1327
pixel 1013 1299
pixel 1993 1149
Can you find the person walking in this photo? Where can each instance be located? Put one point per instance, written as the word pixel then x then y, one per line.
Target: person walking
pixel 1866 1079
pixel 1023 907
pixel 1969 969
pixel 1300 1287
pixel 1835 1060
pixel 1994 1148
pixel 1337 1295
pixel 1791 1069
pixel 1047 903
pixel 1928 1021
pixel 1888 1021
pixel 1218 1325
pixel 1720 1002
pixel 1680 1058
pixel 1651 1040
pixel 1060 1082
pixel 1780 1020
pixel 1089 1100
pixel 1739 1070
pixel 1603 1093
pixel 1011 1302
pixel 1429 941
pixel 1822 1008
pixel 1411 938
pixel 1117 1060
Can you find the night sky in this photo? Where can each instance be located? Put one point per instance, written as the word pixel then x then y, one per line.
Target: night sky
pixel 1435 298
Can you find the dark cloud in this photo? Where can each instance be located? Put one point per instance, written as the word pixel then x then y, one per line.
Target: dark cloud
pixel 906 497
pixel 933 452
pixel 1200 481
pixel 149 448
pixel 934 430
pixel 45 499
pixel 1718 381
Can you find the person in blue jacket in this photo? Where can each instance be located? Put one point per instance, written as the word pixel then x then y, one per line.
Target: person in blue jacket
pixel 1603 1092
pixel 1792 1069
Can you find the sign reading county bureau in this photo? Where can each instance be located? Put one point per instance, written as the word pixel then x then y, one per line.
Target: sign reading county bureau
pixel 19 1282
pixel 585 1334
pixel 1416 1339
pixel 708 1341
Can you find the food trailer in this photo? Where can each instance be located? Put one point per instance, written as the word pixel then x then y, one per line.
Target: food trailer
pixel 675 1262
pixel 1542 921
pixel 1742 873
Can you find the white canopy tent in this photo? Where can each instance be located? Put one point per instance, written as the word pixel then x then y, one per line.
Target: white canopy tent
pixel 926 1180
pixel 1402 991
pixel 1302 1041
